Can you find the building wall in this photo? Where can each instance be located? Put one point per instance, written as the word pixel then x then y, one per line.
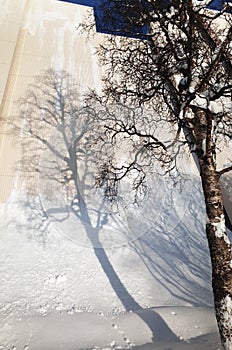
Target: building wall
pixel 34 36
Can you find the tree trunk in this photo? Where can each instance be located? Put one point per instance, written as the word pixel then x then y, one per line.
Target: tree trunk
pixel 220 253
pixel 219 244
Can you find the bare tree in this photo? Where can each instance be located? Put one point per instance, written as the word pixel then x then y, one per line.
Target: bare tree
pixel 181 71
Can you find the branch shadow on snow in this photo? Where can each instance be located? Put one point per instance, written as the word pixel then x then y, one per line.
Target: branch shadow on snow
pixel 176 253
pixel 59 160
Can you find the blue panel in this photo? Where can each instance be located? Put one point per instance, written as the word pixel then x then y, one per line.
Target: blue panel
pixel 111 19
pixel 217 4
pixel 90 3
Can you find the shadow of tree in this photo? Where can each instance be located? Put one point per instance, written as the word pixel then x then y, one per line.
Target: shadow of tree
pixel 177 255
pixel 61 145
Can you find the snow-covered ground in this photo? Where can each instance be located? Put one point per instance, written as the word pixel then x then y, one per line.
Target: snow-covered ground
pixel 194 329
pixel 152 292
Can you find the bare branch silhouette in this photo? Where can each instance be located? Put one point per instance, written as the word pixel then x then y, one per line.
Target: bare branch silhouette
pixel 181 70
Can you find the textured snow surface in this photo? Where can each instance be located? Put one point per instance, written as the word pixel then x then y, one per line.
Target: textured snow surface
pixel 56 295
pixel 95 331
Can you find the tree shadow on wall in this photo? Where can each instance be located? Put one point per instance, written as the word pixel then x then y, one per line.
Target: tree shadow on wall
pixel 61 149
pixel 175 250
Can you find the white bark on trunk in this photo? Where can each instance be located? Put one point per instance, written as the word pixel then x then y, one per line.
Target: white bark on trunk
pixel 226 319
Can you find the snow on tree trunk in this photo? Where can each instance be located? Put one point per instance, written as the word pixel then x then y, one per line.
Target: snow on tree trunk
pixel 220 252
pixel 219 244
pixel 225 316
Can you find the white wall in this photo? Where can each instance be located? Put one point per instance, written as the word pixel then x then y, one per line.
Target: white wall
pixel 34 36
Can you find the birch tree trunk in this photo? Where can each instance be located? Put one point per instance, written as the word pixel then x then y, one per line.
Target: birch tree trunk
pixel 220 253
pixel 218 241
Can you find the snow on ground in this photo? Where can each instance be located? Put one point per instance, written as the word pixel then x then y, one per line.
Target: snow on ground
pixel 150 293
pixel 195 328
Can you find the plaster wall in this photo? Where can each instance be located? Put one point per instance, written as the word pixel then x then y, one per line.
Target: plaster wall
pixel 34 36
